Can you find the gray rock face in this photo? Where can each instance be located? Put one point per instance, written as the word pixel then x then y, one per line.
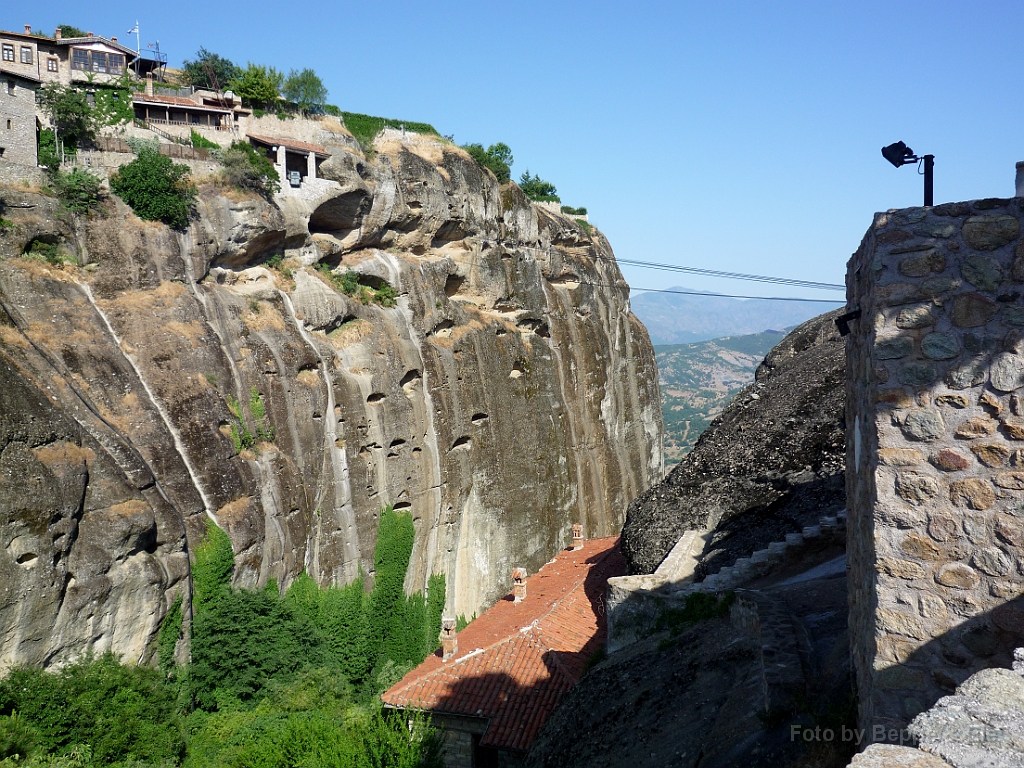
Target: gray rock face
pixel 509 394
pixel 770 464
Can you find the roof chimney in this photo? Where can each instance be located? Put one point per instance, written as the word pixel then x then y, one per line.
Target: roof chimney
pixel 449 639
pixel 28 29
pixel 149 83
pixel 88 34
pixel 518 585
pixel 57 34
pixel 113 39
pixel 577 537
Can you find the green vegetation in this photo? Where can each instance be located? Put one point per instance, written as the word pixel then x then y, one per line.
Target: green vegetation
pixel 112 102
pixel 170 633
pixel 359 286
pixel 209 70
pixel 535 188
pixel 78 189
pixel 66 30
pixel 365 127
pixel 258 86
pixel 306 90
pixel 69 111
pixel 248 169
pixel 568 209
pixel 497 158
pixel 698 380
pixel 115 714
pixel 51 253
pixel 201 142
pixel 156 188
pixel 585 225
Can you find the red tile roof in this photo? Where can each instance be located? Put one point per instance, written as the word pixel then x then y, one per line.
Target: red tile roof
pixel 176 101
pixel 290 144
pixel 517 660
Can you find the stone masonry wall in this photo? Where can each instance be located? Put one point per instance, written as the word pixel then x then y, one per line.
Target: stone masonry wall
pixel 935 452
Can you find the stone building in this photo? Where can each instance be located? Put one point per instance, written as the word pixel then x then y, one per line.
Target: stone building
pixel 494 684
pixel 89 59
pixel 17 118
pixel 935 452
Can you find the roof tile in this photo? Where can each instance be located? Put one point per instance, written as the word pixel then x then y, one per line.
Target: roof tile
pixel 517 660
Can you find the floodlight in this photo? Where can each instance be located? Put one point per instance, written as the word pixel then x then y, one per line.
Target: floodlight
pixel 900 154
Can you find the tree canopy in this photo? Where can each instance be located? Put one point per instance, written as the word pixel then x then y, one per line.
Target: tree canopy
pixel 497 157
pixel 535 188
pixel 258 85
pixel 69 111
pixel 210 70
pixel 156 188
pixel 305 90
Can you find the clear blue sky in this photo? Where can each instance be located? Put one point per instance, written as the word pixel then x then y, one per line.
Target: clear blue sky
pixel 741 136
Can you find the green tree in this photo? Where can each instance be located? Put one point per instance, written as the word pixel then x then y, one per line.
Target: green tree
pixel 69 112
pixel 66 30
pixel 156 188
pixel 122 712
pixel 497 157
pixel 305 90
pixel 247 168
pixel 535 188
pixel 209 70
pixel 78 189
pixel 258 86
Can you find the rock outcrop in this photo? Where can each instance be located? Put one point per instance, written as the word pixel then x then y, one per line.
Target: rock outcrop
pixel 769 465
pixel 214 375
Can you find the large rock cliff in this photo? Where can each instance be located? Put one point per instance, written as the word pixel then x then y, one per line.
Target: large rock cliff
pixel 770 464
pixel 507 395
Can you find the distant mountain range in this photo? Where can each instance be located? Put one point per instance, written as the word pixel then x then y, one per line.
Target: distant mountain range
pixel 673 318
pixel 698 380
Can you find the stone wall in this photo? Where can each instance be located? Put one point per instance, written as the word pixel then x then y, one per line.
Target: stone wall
pixel 935 452
pixel 17 122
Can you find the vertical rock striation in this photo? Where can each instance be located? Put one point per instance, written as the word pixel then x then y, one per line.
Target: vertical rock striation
pixel 508 394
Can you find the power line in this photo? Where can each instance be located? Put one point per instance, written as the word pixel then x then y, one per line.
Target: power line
pixel 734 275
pixel 708 293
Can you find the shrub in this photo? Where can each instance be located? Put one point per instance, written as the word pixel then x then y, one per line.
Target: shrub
pixel 122 712
pixel 247 169
pixel 535 188
pixel 170 633
pixel 365 127
pixel 200 141
pixel 497 157
pixel 156 188
pixel 66 30
pixel 574 211
pixel 79 190
pixel 40 250
pixel 214 564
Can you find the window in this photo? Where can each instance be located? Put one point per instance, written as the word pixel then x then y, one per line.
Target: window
pixel 26 55
pixel 10 125
pixel 90 99
pixel 79 59
pixel 8 52
pixel 10 87
pixel 51 65
pixel 116 63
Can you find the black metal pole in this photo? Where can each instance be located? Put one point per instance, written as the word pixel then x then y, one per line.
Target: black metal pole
pixel 929 172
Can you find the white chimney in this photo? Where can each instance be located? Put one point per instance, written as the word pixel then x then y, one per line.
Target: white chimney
pixel 518 584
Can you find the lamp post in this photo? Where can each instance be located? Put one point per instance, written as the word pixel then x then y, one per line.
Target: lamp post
pixel 900 154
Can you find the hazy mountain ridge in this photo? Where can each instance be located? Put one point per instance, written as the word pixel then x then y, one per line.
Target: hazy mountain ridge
pixel 672 318
pixel 698 380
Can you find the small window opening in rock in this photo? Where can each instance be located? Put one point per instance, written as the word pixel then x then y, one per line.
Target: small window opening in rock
pixel 376 397
pixel 400 505
pixel 453 284
pixel 410 379
pixel 479 418
pixel 463 442
pixel 27 558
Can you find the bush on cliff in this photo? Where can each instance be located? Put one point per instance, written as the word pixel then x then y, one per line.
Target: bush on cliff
pixel 156 188
pixel 247 169
pixel 535 188
pixel 497 158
